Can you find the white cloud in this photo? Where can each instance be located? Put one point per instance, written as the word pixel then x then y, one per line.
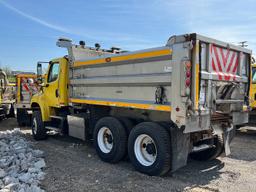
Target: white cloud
pixel 35 19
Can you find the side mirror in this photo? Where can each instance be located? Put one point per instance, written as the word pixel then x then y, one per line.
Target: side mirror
pixel 39 69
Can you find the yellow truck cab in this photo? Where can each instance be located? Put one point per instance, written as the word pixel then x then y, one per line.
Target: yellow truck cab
pixel 253 89
pixel 158 106
pixel 53 97
pixel 252 117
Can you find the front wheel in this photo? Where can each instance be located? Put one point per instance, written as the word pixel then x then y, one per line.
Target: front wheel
pixel 38 128
pixel 149 148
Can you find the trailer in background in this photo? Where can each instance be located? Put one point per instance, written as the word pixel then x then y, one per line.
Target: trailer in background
pixel 7 96
pixel 26 88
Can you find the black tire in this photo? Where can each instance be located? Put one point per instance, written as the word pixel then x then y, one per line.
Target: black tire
pixel 2 118
pixel 211 153
pixel 118 139
pixel 2 112
pixel 161 138
pixel 21 117
pixel 38 128
pixel 127 123
pixel 11 112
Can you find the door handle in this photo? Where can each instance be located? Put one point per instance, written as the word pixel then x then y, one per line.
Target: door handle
pixel 57 93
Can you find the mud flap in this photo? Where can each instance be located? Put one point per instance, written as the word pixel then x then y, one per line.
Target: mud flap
pixel 180 143
pixel 229 134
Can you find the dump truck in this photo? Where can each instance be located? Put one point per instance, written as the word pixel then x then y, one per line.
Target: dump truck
pixel 7 96
pixel 27 86
pixel 157 106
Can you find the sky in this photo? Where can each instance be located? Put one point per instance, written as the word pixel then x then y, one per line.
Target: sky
pixel 29 29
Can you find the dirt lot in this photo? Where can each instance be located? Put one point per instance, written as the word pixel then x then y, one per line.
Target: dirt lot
pixel 74 166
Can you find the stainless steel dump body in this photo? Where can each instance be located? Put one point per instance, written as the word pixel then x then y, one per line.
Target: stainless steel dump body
pixel 195 79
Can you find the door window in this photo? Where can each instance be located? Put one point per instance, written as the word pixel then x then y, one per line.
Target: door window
pixel 54 72
pixel 254 75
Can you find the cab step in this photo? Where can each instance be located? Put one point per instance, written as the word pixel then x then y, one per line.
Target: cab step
pixel 57 117
pixel 59 124
pixel 53 128
pixel 59 121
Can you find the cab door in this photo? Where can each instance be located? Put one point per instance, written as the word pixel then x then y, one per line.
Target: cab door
pixel 253 88
pixel 51 90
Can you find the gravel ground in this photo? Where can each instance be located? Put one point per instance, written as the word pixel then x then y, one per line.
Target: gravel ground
pixel 20 164
pixel 74 166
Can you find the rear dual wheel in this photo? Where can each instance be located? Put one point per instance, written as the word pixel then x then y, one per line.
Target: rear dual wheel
pixel 110 139
pixel 148 145
pixel 149 149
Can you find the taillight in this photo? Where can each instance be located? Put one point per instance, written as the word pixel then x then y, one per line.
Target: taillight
pixel 188 74
pixel 187 82
pixel 188 64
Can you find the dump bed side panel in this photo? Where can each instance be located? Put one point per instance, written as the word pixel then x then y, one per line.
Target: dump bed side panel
pixel 135 80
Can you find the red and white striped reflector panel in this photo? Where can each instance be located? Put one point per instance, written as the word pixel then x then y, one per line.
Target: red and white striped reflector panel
pixel 224 62
pixel 30 87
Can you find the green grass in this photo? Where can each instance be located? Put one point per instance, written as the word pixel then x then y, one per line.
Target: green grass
pixel 12 79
